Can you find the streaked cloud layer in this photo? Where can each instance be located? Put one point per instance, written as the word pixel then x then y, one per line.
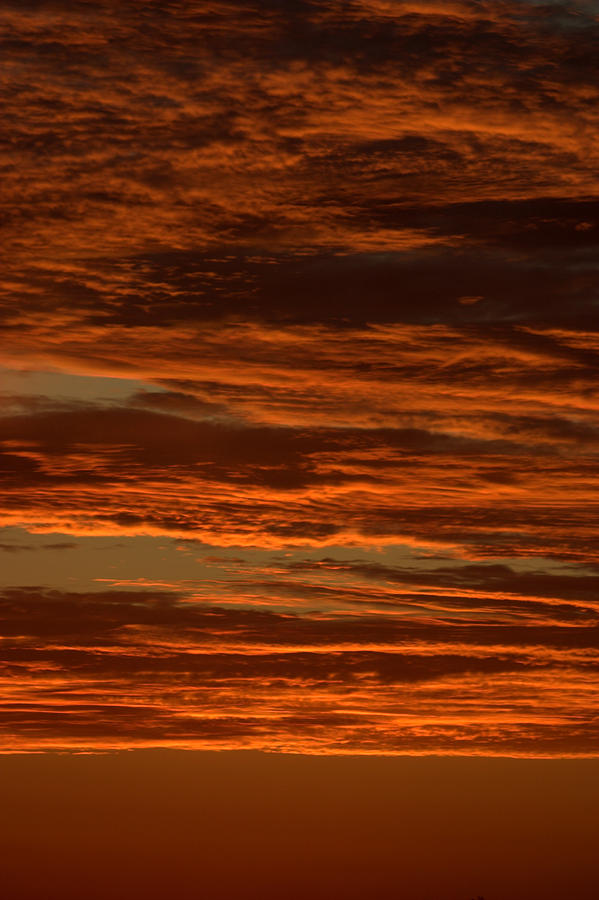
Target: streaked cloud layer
pixel 298 408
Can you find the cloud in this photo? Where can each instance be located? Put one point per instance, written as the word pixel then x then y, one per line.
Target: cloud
pixel 180 129
pixel 19 548
pixel 399 428
pixel 122 668
pixel 345 257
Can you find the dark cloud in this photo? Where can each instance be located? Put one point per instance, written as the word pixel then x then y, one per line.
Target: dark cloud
pixel 18 548
pixel 485 578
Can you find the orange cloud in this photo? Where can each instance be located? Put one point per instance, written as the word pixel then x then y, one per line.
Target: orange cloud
pixel 137 669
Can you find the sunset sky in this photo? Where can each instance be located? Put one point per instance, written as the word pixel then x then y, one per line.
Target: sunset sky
pixel 298 384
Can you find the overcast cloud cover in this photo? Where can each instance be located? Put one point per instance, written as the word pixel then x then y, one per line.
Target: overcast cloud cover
pixel 299 317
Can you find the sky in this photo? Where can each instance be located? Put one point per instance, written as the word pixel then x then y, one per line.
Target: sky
pixel 298 406
pixel 299 412
pixel 157 823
